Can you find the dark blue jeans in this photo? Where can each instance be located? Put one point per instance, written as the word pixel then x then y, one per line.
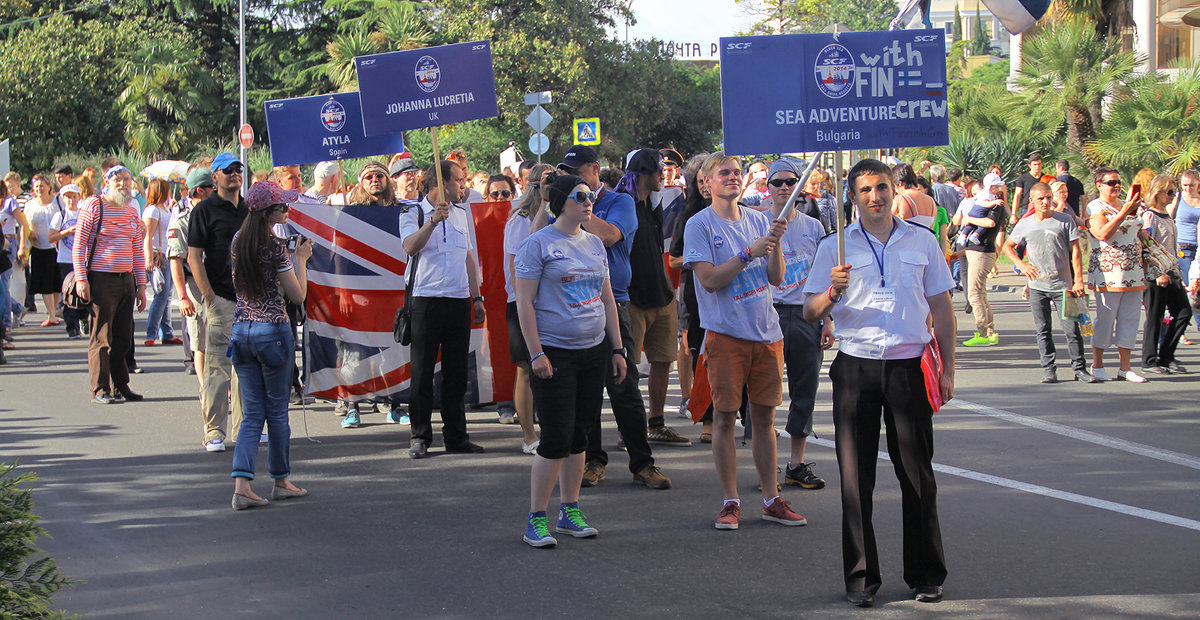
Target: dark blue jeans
pixel 802 355
pixel 263 356
pixel 1042 304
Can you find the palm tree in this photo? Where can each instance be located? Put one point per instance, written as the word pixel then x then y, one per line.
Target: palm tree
pixel 1109 17
pixel 1066 72
pixel 397 26
pixel 1156 124
pixel 342 51
pixel 165 99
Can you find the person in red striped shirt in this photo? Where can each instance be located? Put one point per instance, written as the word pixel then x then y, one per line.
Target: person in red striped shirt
pixel 113 279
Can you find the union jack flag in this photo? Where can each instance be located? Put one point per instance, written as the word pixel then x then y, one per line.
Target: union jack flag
pixel 355 285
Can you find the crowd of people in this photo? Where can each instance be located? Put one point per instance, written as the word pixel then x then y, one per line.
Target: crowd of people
pixel 751 289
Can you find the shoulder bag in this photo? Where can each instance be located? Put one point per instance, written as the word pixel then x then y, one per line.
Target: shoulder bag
pixel 70 292
pixel 402 324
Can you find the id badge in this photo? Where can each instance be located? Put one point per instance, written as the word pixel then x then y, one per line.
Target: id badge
pixel 883 298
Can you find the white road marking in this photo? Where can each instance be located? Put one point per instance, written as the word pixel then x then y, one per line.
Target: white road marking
pixel 1131 447
pixel 1125 509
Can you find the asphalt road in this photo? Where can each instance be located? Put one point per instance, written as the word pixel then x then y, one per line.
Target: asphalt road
pixel 1064 500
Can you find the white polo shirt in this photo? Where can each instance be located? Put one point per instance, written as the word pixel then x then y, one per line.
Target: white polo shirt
pixel 442 270
pixel 882 314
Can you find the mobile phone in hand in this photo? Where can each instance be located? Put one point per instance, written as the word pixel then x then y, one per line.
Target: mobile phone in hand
pixel 293 242
pixel 1136 190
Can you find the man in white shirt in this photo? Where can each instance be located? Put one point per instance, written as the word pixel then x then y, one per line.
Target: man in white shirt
pixel 894 278
pixel 445 292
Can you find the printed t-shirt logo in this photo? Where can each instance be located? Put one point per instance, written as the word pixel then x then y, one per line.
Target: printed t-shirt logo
pixel 718 241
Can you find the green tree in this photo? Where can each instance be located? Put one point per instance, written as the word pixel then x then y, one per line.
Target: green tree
pixel 165 99
pixel 1066 71
pixel 1155 123
pixel 807 16
pixel 26 584
pixel 56 102
pixel 1109 18
pixel 981 42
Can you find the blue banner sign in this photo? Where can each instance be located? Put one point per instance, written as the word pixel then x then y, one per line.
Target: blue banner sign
pixel 814 92
pixel 426 87
pixel 306 130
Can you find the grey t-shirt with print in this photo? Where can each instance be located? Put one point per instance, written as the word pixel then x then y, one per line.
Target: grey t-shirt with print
pixel 743 308
pixel 570 270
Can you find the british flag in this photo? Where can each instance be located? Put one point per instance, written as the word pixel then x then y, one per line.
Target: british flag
pixel 355 284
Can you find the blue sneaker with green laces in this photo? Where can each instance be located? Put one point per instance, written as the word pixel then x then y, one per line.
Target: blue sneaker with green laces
pixel 570 521
pixel 537 532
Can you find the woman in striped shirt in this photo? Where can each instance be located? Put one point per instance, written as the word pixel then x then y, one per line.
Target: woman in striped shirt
pixel 113 278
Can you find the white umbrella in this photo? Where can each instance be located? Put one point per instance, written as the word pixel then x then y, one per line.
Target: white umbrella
pixel 171 170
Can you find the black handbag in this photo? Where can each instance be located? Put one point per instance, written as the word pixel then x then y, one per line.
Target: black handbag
pixel 70 288
pixel 402 324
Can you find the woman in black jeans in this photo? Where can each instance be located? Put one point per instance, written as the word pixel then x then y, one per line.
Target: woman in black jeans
pixel 569 321
pixel 1165 292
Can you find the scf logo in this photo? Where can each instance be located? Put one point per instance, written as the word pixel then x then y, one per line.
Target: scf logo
pixel 744 45
pixel 365 63
pixel 925 38
pixel 478 47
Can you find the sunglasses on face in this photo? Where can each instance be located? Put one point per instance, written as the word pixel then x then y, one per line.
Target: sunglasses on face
pixel 583 197
pixel 232 169
pixel 281 207
pixel 1113 183
pixel 375 176
pixel 501 194
pixel 782 182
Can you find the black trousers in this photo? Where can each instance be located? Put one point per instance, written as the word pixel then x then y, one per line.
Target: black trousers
pixel 569 402
pixel 439 324
pixel 1157 299
pixel 862 390
pixel 628 409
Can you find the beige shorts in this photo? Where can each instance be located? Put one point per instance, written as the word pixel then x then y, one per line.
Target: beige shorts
pixel 655 330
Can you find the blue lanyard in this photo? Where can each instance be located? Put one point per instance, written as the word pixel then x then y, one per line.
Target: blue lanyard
pixel 879 255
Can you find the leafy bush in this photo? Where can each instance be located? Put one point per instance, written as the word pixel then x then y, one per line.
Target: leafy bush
pixel 25 586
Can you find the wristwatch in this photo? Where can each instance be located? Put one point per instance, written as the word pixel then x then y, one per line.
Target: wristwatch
pixel 478 298
pixel 621 351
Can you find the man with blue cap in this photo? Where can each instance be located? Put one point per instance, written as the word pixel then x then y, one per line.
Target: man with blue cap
pixel 210 234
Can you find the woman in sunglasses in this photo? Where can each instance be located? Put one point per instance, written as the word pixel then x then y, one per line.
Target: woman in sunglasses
pixel 1165 292
pixel 500 189
pixel 569 322
pixel 1116 273
pixel 262 346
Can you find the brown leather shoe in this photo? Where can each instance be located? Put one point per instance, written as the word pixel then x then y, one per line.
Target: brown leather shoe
pixel 652 477
pixel 593 473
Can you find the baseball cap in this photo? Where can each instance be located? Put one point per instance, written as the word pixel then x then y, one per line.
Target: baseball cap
pixel 222 161
pixel 671 157
pixel 644 161
pixel 782 165
pixel 198 177
pixel 577 156
pixel 325 169
pixel 69 188
pixel 266 193
pixel 404 164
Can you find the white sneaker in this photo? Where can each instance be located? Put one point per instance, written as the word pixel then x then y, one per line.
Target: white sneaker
pixel 1100 374
pixel 1130 376
pixel 530 448
pixel 683 409
pixel 215 445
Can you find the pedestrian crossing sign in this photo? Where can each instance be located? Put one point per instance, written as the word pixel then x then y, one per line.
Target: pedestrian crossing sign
pixel 587 131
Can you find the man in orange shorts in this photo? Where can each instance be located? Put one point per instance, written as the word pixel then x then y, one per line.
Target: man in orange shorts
pixel 735 255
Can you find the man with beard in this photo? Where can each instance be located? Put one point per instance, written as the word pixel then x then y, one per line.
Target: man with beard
pixel 895 277
pixel 113 278
pixel 213 223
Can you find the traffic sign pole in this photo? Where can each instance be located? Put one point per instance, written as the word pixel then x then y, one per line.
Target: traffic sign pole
pixel 538 119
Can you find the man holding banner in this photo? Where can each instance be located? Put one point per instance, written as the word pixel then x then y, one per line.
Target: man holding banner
pixel 445 291
pixel 895 277
pixel 735 255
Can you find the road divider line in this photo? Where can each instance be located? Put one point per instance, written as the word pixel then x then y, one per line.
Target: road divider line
pixel 1131 447
pixel 1037 489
